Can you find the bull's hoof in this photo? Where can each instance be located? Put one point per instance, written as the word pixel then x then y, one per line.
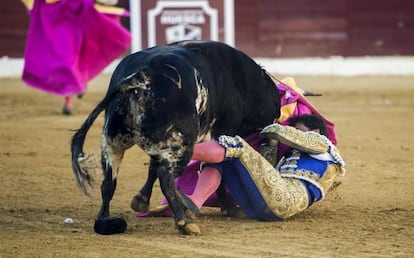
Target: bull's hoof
pixel 140 203
pixel 110 226
pixel 188 228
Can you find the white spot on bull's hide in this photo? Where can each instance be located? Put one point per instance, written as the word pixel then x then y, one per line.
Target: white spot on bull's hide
pixel 112 158
pixel 204 137
pixel 139 120
pixel 171 149
pixel 207 135
pixel 213 121
pixel 106 151
pixel 105 127
pixel 169 129
pixel 202 93
pixel 134 81
pixel 178 83
pixel 130 76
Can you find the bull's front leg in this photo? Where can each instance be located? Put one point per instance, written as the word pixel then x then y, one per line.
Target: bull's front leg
pixel 183 222
pixel 141 201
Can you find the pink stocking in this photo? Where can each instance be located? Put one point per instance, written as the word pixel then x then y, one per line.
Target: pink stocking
pixel 209 178
pixel 68 102
pixel 211 152
pixel 207 183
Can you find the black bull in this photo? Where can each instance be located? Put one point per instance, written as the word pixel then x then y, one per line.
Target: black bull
pixel 165 99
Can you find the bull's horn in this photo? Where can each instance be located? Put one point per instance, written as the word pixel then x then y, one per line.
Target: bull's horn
pixel 309 93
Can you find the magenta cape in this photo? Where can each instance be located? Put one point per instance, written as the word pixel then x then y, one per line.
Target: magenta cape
pixel 187 181
pixel 69 42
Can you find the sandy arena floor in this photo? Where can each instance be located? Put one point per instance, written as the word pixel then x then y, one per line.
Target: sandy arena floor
pixel 370 215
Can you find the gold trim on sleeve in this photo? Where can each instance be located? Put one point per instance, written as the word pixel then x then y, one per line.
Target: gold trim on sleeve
pixel 309 142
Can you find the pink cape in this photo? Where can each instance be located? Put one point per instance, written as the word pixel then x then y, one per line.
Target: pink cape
pixel 69 42
pixel 303 106
pixel 187 181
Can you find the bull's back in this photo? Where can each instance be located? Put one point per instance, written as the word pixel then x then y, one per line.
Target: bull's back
pixel 242 97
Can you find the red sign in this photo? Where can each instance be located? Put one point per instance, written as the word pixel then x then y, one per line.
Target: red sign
pixel 156 22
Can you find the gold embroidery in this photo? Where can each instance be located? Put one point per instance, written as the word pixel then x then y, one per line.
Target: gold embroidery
pixel 283 193
pixel 309 142
pixel 323 183
pixel 233 145
pixel 285 197
pixel 291 163
pixel 328 179
pixel 300 173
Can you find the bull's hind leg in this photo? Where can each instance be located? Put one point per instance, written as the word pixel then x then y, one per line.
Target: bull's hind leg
pixel 183 222
pixel 111 160
pixel 141 201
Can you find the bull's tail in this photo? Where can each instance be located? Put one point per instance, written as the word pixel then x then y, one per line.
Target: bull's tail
pixel 84 166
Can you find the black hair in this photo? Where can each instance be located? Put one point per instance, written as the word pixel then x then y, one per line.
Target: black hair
pixel 312 122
